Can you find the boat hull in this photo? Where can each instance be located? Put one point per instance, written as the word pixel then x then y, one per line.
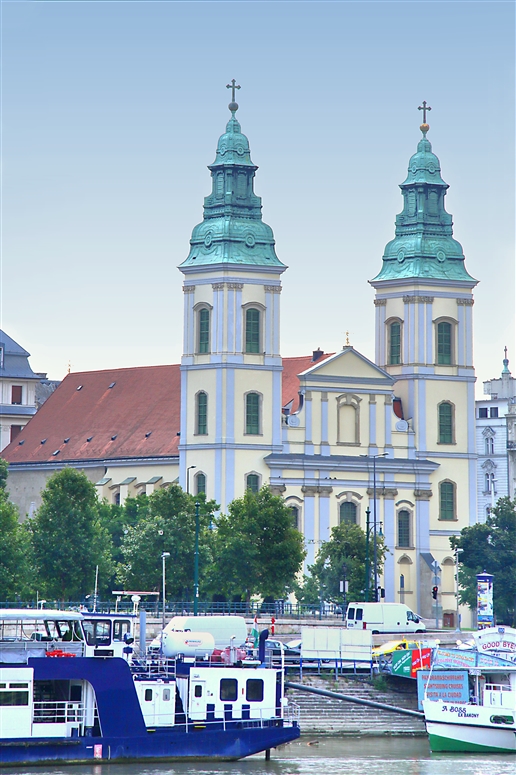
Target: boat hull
pixel 469 728
pixel 229 744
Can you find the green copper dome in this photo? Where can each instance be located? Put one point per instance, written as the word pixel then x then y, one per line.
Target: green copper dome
pixel 424 244
pixel 232 231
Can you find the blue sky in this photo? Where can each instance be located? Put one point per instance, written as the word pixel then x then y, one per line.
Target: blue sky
pixel 111 112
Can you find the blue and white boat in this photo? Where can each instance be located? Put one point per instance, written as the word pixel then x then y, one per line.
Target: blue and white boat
pixel 72 689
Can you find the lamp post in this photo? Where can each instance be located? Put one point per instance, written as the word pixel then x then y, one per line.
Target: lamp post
pixel 375 551
pixel 196 560
pixel 188 479
pixel 163 560
pixel 457 552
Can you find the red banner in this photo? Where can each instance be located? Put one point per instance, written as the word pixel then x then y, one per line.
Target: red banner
pixel 421 659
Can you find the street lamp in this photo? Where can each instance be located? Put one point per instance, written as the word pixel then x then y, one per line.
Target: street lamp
pixel 457 552
pixel 375 552
pixel 188 479
pixel 196 559
pixel 163 559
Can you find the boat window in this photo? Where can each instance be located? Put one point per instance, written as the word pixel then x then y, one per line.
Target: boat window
pixel 13 698
pixel 2 686
pixel 121 627
pixel 198 690
pixel 166 695
pixel 360 612
pixel 97 632
pixel 18 686
pixel 351 613
pixel 254 690
pixel 148 695
pixel 228 689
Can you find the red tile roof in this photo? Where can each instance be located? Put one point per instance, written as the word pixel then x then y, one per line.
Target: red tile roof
pixel 143 400
pixel 138 417
pixel 290 383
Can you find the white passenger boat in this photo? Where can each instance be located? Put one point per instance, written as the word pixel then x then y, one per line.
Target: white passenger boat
pixel 487 723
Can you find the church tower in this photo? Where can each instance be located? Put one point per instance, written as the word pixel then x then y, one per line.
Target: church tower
pixel 424 339
pixel 231 366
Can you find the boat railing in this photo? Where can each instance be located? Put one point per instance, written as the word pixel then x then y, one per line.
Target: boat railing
pixel 58 712
pixel 18 651
pixel 292 712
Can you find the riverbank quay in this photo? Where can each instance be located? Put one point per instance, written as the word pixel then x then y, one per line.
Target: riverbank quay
pixel 329 716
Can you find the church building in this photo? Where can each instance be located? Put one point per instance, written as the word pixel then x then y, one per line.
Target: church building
pixel 333 434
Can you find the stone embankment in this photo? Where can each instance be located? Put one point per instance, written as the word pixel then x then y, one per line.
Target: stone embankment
pixel 329 716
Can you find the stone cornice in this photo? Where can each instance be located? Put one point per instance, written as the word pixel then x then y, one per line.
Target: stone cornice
pixel 382 492
pixel 188 288
pixel 272 288
pixel 466 302
pixel 423 495
pixel 418 299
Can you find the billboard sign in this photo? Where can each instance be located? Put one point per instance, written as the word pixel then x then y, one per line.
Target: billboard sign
pixel 485 611
pixel 446 685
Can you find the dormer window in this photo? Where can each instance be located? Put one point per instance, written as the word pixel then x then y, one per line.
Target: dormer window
pixel 16 394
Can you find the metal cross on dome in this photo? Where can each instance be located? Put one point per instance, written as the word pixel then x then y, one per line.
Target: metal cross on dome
pixel 232 86
pixel 424 107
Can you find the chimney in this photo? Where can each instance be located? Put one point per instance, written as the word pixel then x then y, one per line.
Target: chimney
pixel 316 354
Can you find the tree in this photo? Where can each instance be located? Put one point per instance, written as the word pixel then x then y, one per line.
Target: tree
pixel 68 538
pixel 14 546
pixel 341 558
pixel 258 549
pixel 490 547
pixel 165 522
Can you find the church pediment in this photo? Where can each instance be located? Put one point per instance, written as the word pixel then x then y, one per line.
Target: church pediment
pixel 348 367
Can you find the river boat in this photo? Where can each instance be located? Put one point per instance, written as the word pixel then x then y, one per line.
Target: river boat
pixel 487 722
pixel 74 689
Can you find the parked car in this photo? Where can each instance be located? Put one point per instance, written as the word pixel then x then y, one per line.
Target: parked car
pixel 275 648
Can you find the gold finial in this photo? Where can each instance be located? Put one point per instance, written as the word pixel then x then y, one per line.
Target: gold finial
pixel 69 366
pixel 347 339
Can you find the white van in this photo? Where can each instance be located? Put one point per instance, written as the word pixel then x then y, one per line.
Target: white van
pixel 383 617
pixel 223 628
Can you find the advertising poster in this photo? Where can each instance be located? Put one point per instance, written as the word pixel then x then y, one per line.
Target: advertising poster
pixel 446 685
pixel 485 612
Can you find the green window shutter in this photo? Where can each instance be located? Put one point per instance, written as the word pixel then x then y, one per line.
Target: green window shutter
pixel 444 344
pixel 348 513
pixel 204 331
pixel 253 482
pixel 404 529
pixel 445 424
pixel 252 331
pixel 202 414
pixel 252 413
pixel 395 343
pixel 447 501
pixel 295 516
pixel 200 481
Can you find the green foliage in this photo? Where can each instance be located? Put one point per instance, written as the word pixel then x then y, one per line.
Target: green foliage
pixel 4 467
pixel 164 522
pixel 258 549
pixel 343 556
pixel 490 547
pixel 68 538
pixel 14 551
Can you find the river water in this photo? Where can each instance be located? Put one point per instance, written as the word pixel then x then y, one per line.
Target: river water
pixel 312 756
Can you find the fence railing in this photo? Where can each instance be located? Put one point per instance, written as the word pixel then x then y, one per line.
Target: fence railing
pixel 281 608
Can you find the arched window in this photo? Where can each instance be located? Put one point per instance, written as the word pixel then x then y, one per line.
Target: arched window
pixel 348 513
pixel 252 330
pixel 252 482
pixel 395 343
pixel 202 414
pixel 404 529
pixel 252 414
pixel 447 501
pixel 295 516
pixel 200 483
pixel 445 423
pixel 204 331
pixel 444 343
pixel 490 483
pixel 489 445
